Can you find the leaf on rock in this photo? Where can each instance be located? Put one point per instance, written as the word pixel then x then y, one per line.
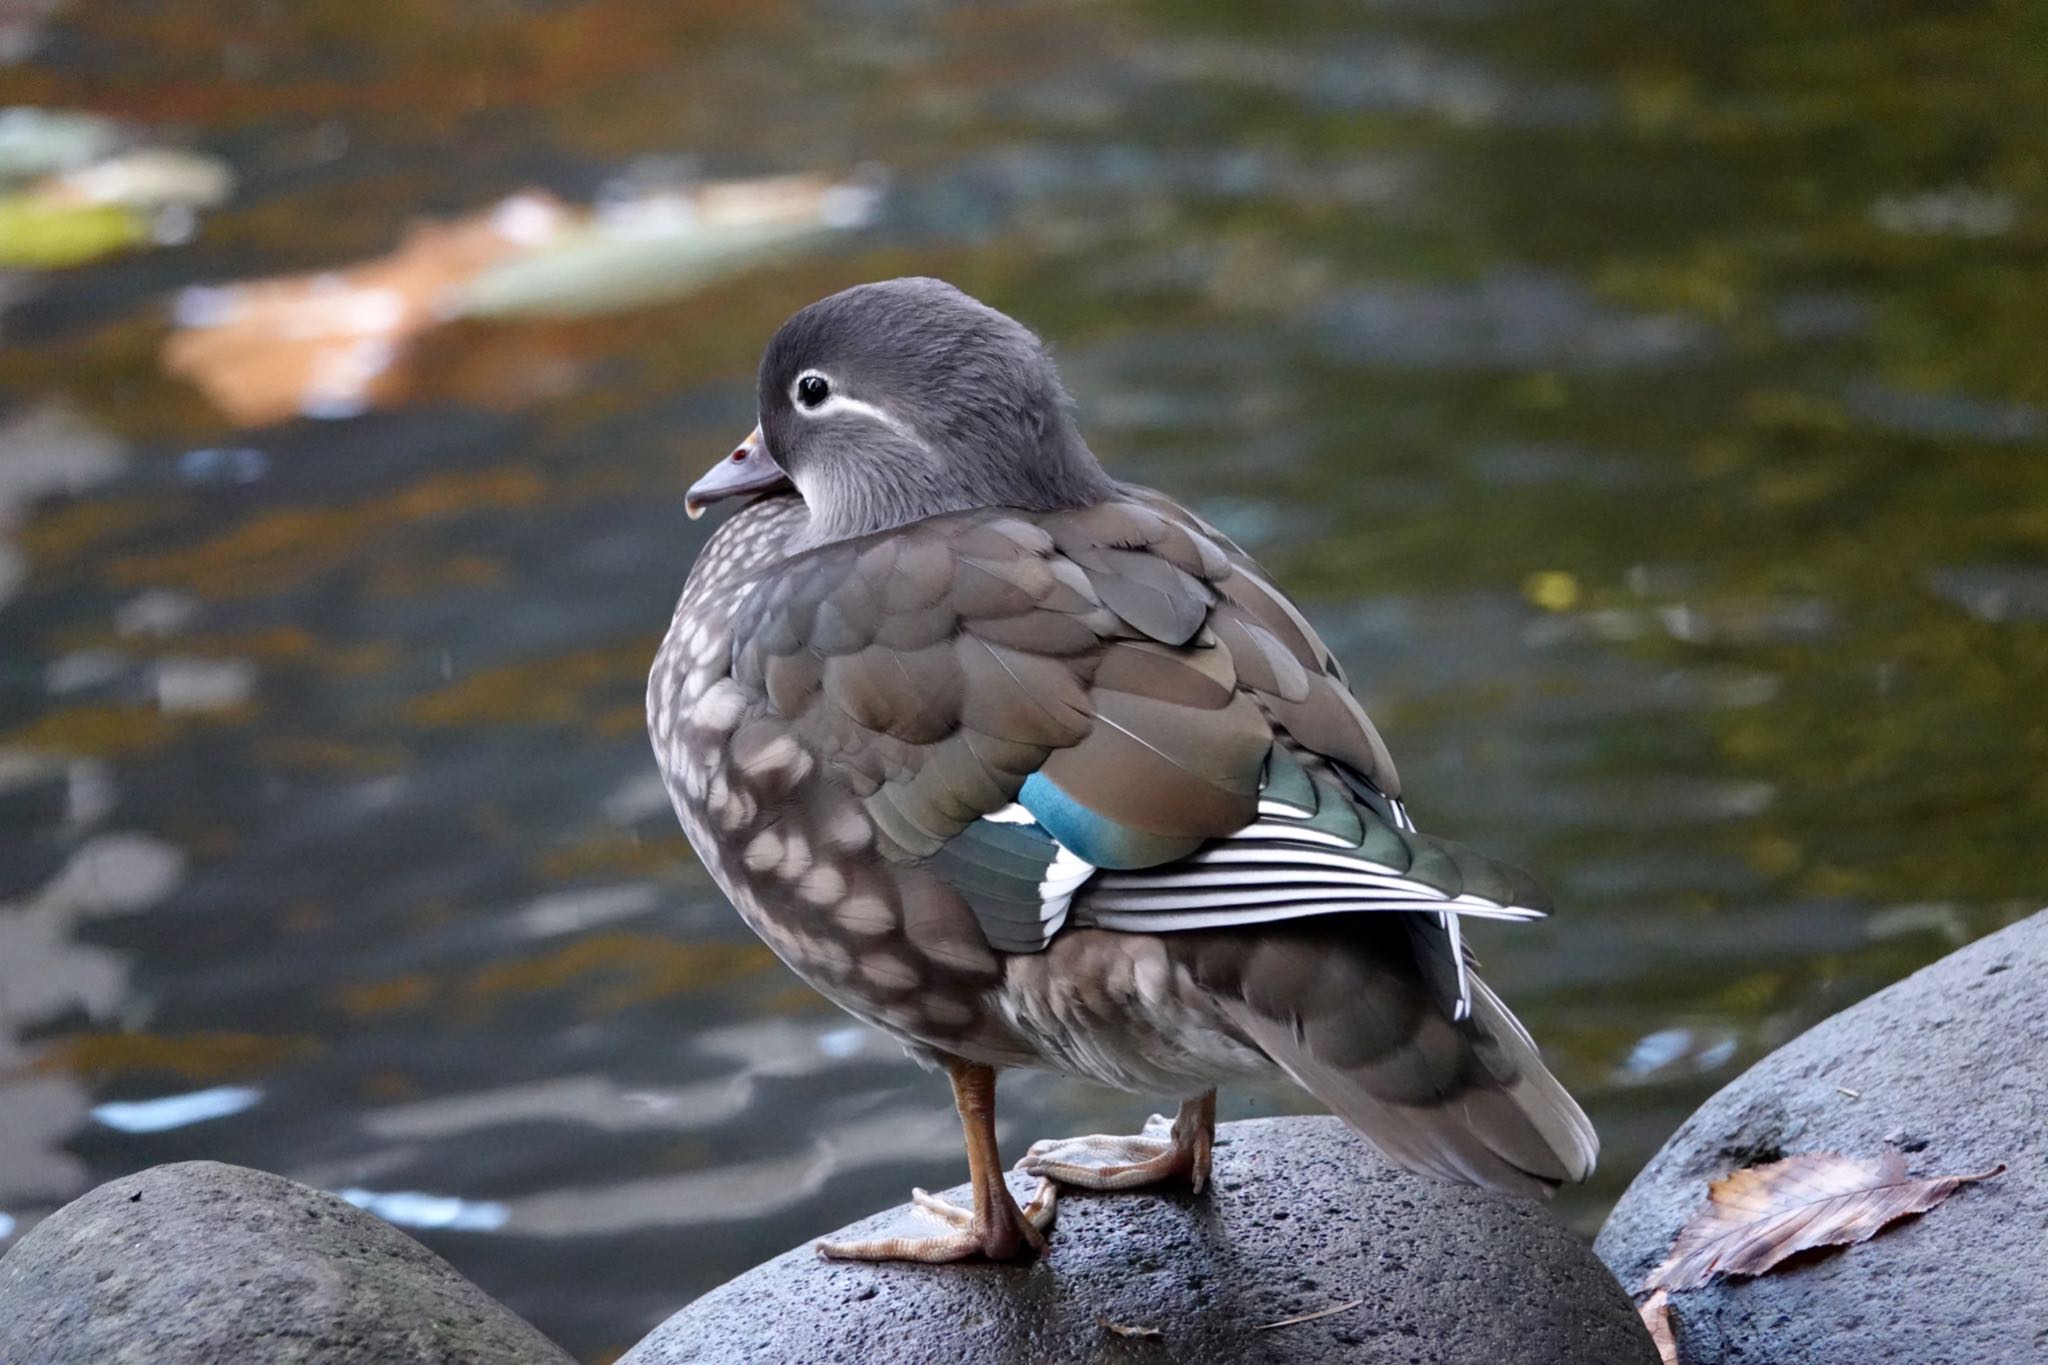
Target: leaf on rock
pixel 1760 1215
pixel 1125 1329
pixel 1656 1311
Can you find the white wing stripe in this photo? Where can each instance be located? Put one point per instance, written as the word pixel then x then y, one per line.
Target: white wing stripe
pixel 1219 902
pixel 1299 856
pixel 1156 921
pixel 1293 834
pixel 1268 806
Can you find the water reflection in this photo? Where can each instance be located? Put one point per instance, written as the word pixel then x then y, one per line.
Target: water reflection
pixel 1645 403
pixel 1675 1050
pixel 428 1212
pixel 176 1111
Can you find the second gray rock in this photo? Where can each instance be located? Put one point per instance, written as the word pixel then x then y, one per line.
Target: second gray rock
pixel 1948 1067
pixel 205 1264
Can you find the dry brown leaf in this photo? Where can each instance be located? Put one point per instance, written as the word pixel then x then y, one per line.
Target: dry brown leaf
pixel 1125 1329
pixel 1656 1311
pixel 328 343
pixel 1760 1215
pixel 337 343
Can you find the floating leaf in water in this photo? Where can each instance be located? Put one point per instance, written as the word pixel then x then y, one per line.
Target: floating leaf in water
pixel 35 142
pixel 79 190
pixel 1760 1215
pixel 1552 590
pixel 147 179
pixel 332 344
pixel 36 234
pixel 324 344
pixel 663 245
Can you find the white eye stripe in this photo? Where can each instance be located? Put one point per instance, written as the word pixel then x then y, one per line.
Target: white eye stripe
pixel 837 402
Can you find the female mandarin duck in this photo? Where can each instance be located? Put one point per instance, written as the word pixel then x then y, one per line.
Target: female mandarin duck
pixel 1030 768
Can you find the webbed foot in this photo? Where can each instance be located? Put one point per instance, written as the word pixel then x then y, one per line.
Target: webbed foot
pixel 1008 1231
pixel 1106 1161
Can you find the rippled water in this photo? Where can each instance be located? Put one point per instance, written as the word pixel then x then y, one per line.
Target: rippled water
pixel 1647 401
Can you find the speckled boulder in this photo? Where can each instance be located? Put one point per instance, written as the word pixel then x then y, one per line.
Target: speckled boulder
pixel 1950 1066
pixel 205 1264
pixel 1303 1217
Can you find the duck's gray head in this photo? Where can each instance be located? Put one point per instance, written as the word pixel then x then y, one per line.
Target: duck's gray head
pixel 888 403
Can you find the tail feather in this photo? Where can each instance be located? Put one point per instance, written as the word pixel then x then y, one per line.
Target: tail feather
pixel 1550 1114
pixel 1467 1101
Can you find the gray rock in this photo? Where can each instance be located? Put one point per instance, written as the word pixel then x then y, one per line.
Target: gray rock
pixel 205 1264
pixel 1303 1217
pixel 1951 1067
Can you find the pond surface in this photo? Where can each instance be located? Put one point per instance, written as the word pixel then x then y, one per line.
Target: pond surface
pixel 1648 402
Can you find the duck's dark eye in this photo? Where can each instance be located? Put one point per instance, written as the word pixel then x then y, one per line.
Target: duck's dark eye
pixel 812 390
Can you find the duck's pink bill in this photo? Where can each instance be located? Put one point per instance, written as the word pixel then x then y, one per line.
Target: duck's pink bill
pixel 749 469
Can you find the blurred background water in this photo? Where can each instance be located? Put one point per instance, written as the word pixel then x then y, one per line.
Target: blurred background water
pixel 1646 400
